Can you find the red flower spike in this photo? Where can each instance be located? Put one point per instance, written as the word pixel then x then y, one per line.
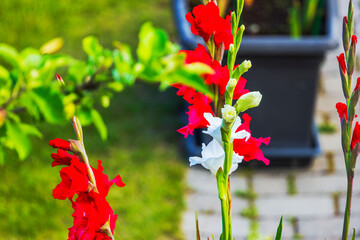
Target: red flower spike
pixel 356 136
pixel 60 143
pixel 341 60
pixel 346 20
pixel 342 110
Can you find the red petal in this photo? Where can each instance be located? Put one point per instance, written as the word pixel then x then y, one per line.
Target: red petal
pixel 60 143
pixel 61 158
pixel 341 60
pixel 342 110
pixel 353 39
pixel 118 181
pixel 356 136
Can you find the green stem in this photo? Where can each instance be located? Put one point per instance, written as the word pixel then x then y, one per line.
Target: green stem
pixel 229 206
pixel 225 185
pixel 348 206
pixel 221 184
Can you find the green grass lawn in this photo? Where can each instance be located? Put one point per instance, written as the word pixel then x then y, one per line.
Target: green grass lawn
pixel 142 145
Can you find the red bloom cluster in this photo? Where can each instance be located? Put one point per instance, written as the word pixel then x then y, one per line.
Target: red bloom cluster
pixel 91 210
pixel 205 21
pixel 200 104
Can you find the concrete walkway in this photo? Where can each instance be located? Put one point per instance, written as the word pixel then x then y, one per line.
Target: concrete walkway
pixel 313 209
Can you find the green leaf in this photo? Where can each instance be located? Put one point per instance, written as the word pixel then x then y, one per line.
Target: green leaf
pixel 189 79
pixel 4 73
pixel 2 156
pixel 152 43
pixel 50 104
pixel 91 46
pixel 17 140
pixel 85 116
pixel 279 229
pixel 10 55
pixel 99 124
pixel 77 71
pixel 123 71
pixel 199 68
pixel 353 235
pixel 31 58
pixel 30 130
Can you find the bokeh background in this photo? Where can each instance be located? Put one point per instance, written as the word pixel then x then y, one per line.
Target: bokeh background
pixel 142 145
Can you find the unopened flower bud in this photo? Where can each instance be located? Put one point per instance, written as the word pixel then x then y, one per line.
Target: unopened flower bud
pixel 248 100
pixel 231 48
pixel 351 60
pixel 343 74
pixel 232 83
pixel 228 113
pixel 345 34
pixel 242 68
pixel 60 80
pixel 229 92
pixel 77 129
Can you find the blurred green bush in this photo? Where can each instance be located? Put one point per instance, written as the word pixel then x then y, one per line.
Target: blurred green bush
pixel 141 143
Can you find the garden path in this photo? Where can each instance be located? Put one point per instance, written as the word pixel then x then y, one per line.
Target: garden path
pixel 312 212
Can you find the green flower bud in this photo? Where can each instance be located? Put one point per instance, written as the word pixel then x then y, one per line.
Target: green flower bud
pixel 228 113
pixel 351 59
pixel 247 101
pixel 229 92
pixel 345 34
pixel 241 69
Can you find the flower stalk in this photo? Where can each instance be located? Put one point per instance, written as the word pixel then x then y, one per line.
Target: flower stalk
pixel 232 141
pixel 350 136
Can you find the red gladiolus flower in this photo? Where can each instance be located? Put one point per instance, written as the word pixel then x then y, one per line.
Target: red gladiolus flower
pixel 342 110
pixel 205 21
pixel 61 158
pixel 356 136
pixel 250 149
pixel 199 54
pixel 91 210
pixel 200 105
pixel 74 180
pixel 342 64
pixel 223 32
pixel 60 143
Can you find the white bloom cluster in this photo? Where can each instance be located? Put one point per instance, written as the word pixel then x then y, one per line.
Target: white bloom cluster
pixel 213 154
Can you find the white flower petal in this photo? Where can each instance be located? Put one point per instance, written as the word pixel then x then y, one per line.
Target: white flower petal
pixel 240 135
pixel 214 127
pixel 235 161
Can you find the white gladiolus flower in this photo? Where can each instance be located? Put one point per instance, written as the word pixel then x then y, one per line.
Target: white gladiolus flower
pixel 214 129
pixel 213 157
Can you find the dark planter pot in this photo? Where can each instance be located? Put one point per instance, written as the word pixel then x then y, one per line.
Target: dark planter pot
pixel 286 72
